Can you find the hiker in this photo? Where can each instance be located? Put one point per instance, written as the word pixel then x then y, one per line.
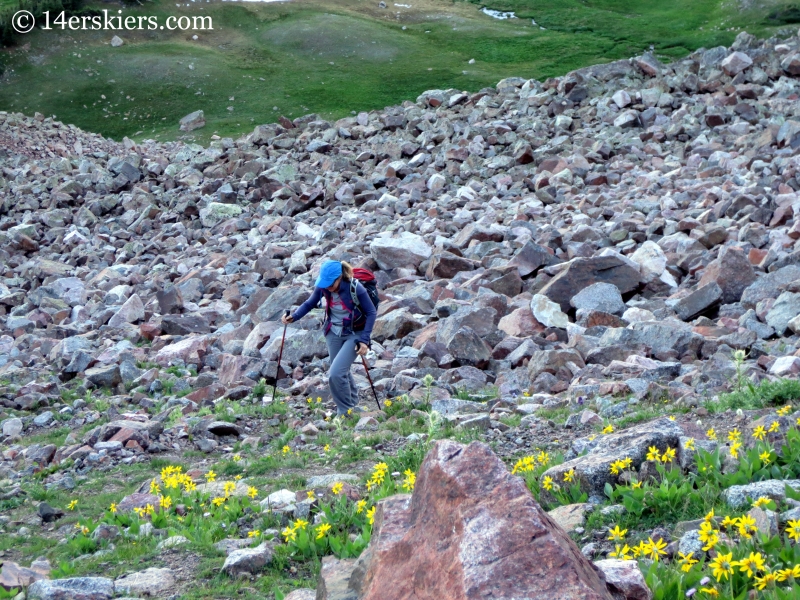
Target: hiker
pixel 347 327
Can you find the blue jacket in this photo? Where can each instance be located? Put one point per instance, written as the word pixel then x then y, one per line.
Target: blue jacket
pixel 364 300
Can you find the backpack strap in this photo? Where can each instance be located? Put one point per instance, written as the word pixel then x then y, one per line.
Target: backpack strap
pixel 354 293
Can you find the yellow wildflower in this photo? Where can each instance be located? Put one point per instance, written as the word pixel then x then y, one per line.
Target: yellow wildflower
pixel 765 580
pixel 371 516
pixel 289 534
pixel 608 429
pixel 785 410
pixel 311 495
pixel 751 564
pixel 410 480
pixel 154 487
pixel 113 507
pixel 710 592
pixel 617 533
pixel 569 475
pixel 765 457
pixel 687 561
pixel 653 453
pixel 689 445
pixel 793 529
pixel 228 487
pixel 621 552
pixel 252 492
pixel 668 456
pixel 722 565
pixel 237 457
pixel 327 448
pixel 360 506
pixel 165 501
pixel 759 433
pixel 774 427
pixel 747 526
pixel 547 483
pixel 735 447
pixel 72 505
pixel 728 522
pixel 387 403
pixel 656 549
pixel 322 530
pixel 253 533
pixel 784 574
pixel 711 434
pixel 211 476
pixel 337 488
pixel 286 450
pixel 761 502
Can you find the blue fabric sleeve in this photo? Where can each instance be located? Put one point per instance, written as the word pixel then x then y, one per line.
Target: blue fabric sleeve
pixel 306 306
pixel 369 311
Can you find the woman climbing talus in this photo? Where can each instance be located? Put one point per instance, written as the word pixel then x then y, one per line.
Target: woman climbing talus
pixel 347 327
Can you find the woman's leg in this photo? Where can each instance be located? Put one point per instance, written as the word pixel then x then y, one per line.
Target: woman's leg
pixel 341 350
pixel 353 388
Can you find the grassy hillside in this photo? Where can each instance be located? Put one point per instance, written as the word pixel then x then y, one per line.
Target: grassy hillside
pixel 332 56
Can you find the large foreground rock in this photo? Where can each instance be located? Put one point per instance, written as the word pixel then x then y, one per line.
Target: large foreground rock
pixel 470 530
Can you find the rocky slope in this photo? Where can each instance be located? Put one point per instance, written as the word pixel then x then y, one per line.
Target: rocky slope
pixel 608 238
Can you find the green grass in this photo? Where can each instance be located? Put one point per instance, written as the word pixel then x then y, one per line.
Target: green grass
pixel 261 56
pixel 767 393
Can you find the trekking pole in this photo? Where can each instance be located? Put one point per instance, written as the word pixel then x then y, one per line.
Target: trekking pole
pixel 280 356
pixel 374 393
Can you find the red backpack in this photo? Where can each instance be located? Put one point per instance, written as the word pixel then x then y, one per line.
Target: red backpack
pixel 367 279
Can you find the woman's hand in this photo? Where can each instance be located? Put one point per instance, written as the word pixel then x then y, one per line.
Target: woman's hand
pixel 361 348
pixel 287 319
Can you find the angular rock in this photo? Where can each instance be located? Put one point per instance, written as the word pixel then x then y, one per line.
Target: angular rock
pixel 548 313
pixel 624 579
pixel 150 582
pixel 731 271
pixel 698 301
pixel 583 272
pixel 248 561
pixel 405 250
pixel 75 588
pixel 456 538
pixel 603 297
pixel 593 469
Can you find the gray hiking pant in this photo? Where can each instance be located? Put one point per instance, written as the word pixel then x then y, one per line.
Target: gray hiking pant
pixel 342 353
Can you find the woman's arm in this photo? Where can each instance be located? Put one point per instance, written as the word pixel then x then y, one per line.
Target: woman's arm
pixel 306 306
pixel 369 312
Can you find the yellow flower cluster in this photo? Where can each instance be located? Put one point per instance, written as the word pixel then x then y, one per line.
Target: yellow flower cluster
pixel 379 472
pixel 410 480
pixel 290 533
pixel 653 454
pixel 527 464
pixel 618 466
